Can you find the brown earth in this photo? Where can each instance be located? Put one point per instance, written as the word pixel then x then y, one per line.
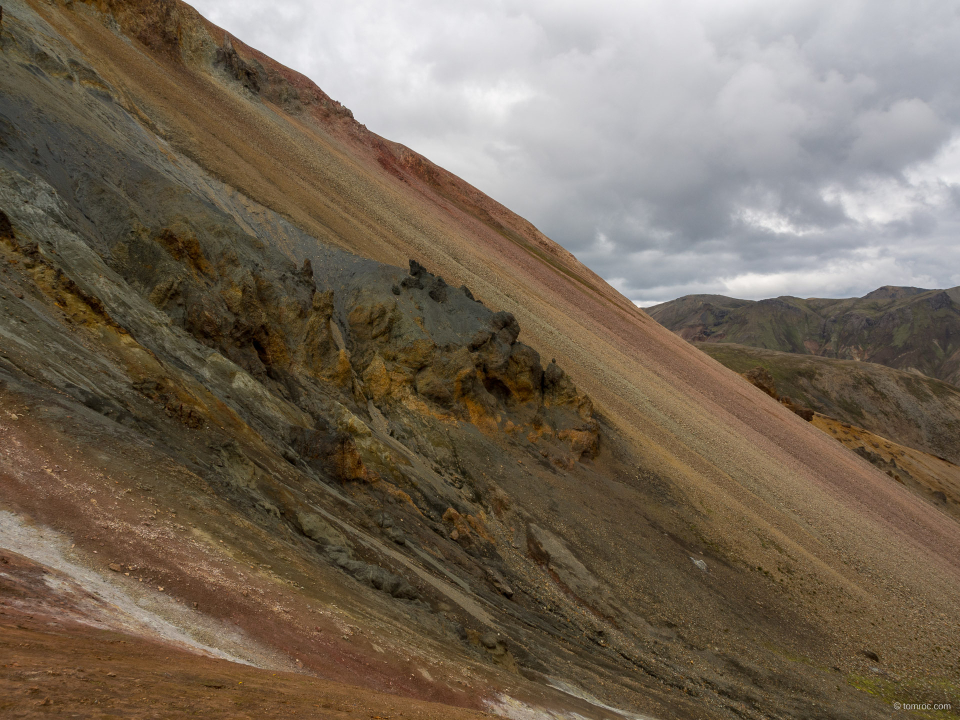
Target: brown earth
pixel 52 666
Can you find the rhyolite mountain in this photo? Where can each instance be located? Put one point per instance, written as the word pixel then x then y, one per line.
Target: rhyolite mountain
pixel 294 422
pixel 901 327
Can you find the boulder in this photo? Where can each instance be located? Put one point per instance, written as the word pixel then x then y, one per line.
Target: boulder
pixel 317 528
pixel 761 378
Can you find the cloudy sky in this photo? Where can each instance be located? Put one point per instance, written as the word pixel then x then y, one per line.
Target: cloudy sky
pixel 742 147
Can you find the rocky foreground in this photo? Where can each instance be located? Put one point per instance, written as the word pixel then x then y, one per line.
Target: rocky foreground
pixel 295 423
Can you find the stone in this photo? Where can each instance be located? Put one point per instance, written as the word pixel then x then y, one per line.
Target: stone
pixel 6 228
pixel 306 271
pixel 499 584
pixel 489 640
pixel 438 290
pixel 796 408
pixel 376 378
pixel 480 338
pixel 247 74
pixel 583 442
pixel 416 269
pixel 761 378
pixel 506 323
pixel 317 528
pixel 373 575
pixel 396 536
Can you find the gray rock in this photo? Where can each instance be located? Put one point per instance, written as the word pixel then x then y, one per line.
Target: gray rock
pixel 373 575
pixel 438 290
pixel 316 528
pixel 396 536
pixel 507 323
pixel 489 640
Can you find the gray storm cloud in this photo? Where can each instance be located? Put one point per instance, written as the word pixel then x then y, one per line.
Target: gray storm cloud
pixel 737 147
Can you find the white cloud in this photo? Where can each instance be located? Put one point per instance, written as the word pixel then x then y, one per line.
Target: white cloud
pixel 723 145
pixel 892 137
pixel 832 280
pixel 928 186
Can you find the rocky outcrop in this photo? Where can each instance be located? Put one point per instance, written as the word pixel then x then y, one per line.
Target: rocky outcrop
pixel 796 408
pixel 761 378
pixel 373 575
pixel 418 342
pixel 247 74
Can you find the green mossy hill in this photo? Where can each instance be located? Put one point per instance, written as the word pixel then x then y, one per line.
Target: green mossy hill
pixel 900 327
pixel 913 410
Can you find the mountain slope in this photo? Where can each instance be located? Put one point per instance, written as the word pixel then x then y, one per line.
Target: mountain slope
pixel 917 411
pixel 923 410
pixel 235 409
pixel 931 477
pixel 900 327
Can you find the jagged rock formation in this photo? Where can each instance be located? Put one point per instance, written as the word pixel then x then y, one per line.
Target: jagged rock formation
pixel 234 411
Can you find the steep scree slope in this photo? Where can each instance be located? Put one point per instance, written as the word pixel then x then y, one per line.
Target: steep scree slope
pixel 915 410
pixel 238 420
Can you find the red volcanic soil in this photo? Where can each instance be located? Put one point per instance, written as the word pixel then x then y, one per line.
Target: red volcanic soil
pixel 51 665
pixel 147 527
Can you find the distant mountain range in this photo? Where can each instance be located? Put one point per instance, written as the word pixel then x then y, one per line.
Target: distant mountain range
pixel 905 328
pixel 829 356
